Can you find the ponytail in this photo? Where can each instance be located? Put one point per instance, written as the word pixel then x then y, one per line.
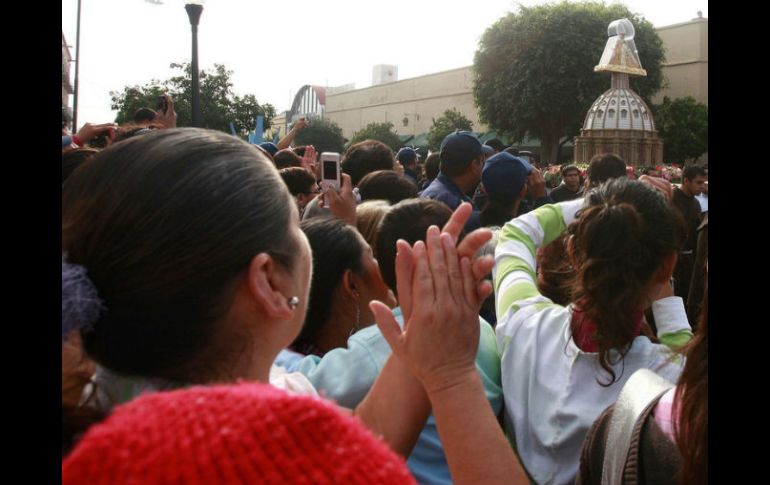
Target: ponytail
pixel 619 242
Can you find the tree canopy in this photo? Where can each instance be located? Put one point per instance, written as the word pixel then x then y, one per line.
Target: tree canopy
pixel 382 132
pixel 324 135
pixel 533 71
pixel 450 121
pixel 684 126
pixel 219 105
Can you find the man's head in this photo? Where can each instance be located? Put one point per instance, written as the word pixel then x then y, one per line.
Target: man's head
pixel 144 116
pixel 408 157
pixel 571 176
pixel 693 180
pixel 496 144
pixel 366 157
pixel 605 166
pixel 462 156
pixel 505 177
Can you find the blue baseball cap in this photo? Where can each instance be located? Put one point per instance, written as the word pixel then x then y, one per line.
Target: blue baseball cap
pixel 269 147
pixel 503 174
pixel 459 148
pixel 407 155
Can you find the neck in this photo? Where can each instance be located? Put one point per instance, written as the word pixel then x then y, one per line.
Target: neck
pixel 336 331
pixel 465 182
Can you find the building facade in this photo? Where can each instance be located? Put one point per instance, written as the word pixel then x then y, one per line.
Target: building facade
pixel 412 104
pixel 66 85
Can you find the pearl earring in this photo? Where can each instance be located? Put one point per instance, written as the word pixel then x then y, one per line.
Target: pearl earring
pixel 293 302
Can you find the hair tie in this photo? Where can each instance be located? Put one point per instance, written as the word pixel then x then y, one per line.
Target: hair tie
pixel 81 306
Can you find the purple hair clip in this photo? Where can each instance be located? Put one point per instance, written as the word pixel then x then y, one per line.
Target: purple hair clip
pixel 81 306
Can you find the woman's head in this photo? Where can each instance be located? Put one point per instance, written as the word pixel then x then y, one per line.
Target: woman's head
pixel 623 247
pixel 369 214
pixel 345 279
pixel 166 225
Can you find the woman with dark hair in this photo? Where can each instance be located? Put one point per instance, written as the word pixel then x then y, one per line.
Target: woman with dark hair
pixel 666 426
pixel 346 373
pixel 562 366
pixel 345 279
pixel 185 265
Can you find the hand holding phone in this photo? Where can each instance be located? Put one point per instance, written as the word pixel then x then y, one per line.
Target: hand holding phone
pixel 330 170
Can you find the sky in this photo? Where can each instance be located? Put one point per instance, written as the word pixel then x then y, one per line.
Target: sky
pixel 274 48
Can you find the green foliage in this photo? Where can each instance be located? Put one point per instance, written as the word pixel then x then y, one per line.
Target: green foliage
pixel 450 121
pixel 219 106
pixel 533 71
pixel 382 132
pixel 324 135
pixel 684 126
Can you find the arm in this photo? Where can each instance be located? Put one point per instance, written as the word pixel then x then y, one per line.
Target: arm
pixel 470 433
pixel 515 272
pixel 671 318
pixel 285 142
pixel 396 407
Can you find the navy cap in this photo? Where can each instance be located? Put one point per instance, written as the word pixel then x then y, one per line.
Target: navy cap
pixel 269 147
pixel 503 174
pixel 407 155
pixel 459 148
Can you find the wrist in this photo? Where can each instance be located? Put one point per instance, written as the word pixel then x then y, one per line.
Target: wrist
pixel 450 380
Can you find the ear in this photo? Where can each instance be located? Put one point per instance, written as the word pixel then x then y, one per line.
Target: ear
pixel 350 284
pixel 667 266
pixel 265 282
pixel 523 191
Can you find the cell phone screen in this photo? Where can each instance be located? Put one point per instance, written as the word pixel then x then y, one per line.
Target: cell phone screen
pixel 330 170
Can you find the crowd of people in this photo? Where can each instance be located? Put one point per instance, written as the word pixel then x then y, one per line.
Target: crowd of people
pixel 225 319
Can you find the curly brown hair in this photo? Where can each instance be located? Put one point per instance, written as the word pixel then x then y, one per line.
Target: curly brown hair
pixel 619 242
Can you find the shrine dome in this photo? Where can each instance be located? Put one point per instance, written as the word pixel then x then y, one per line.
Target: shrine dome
pixel 619 108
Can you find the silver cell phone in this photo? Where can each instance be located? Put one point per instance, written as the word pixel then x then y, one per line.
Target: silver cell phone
pixel 330 170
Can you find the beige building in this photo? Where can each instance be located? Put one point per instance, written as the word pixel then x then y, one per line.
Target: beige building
pixel 66 86
pixel 411 104
pixel 687 60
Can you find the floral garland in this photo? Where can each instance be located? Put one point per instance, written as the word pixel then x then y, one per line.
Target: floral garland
pixel 670 172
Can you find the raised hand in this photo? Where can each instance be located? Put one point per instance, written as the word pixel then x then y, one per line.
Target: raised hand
pixel 440 335
pixel 342 203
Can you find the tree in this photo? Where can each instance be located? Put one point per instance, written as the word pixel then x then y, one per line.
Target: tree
pixel 324 135
pixel 684 126
pixel 533 71
pixel 450 121
pixel 219 106
pixel 382 132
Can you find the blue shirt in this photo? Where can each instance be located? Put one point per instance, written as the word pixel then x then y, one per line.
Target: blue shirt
pixel 346 374
pixel 445 190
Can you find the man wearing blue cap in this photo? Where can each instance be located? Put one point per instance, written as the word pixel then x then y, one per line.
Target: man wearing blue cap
pixel 505 179
pixel 408 158
pixel 462 159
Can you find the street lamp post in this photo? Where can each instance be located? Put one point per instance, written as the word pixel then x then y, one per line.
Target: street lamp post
pixel 77 76
pixel 194 9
